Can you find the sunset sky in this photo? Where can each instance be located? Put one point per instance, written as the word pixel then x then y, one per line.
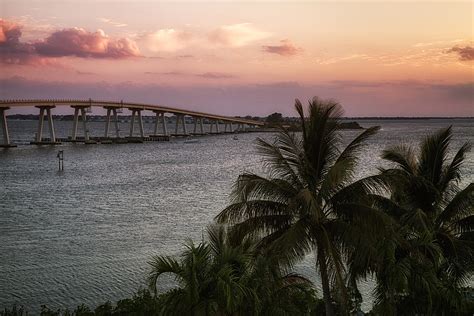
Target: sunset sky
pixel 377 58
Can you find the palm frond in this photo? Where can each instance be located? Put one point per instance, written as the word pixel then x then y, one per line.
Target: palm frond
pixel 300 111
pixel 354 147
pixel 291 243
pixel 343 169
pixel 433 154
pixel 161 265
pixel 240 211
pixel 258 225
pixel 251 186
pixel 403 156
pixel 217 238
pixel 464 225
pixel 461 205
pixel 281 162
pixel 452 172
pixel 361 189
pixel 322 137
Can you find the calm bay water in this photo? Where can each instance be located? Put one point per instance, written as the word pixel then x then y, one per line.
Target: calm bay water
pixel 85 235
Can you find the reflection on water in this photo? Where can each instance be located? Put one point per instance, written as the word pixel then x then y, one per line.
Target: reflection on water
pixel 85 234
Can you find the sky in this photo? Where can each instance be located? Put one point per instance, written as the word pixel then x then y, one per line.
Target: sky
pixel 377 58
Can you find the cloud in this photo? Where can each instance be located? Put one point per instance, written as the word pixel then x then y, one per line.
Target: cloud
pixel 81 43
pixel 173 40
pixel 167 40
pixel 335 60
pixel 237 35
pixel 207 75
pixel 12 51
pixel 465 53
pixel 10 32
pixel 215 75
pixel 67 42
pixel 169 73
pixel 112 22
pixel 437 43
pixel 285 49
pixel 85 73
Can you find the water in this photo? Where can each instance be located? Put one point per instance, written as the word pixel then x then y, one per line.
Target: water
pixel 85 235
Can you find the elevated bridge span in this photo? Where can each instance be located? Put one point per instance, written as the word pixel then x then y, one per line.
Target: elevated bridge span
pixel 82 107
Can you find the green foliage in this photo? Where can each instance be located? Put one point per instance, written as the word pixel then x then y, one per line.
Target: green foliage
pixel 15 311
pixel 428 253
pixel 274 119
pixel 141 304
pixel 308 201
pixel 226 277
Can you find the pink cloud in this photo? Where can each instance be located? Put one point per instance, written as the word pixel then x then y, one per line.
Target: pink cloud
pixel 285 49
pixel 9 31
pixel 215 75
pixel 465 53
pixel 237 35
pixel 68 42
pixel 206 75
pixel 81 43
pixel 12 51
pixel 167 40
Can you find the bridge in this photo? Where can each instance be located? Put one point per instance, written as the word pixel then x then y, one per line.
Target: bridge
pixel 82 107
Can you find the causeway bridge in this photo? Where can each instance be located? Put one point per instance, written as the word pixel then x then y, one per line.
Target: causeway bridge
pixel 82 107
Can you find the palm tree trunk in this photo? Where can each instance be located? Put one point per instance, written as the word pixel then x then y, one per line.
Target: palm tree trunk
pixel 321 262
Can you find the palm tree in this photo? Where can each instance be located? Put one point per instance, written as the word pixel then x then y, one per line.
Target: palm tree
pixel 307 201
pixel 209 278
pixel 435 223
pixel 220 277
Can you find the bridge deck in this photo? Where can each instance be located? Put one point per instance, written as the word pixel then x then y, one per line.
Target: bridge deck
pixel 126 105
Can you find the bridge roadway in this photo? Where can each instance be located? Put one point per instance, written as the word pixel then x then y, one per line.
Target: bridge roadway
pixel 82 107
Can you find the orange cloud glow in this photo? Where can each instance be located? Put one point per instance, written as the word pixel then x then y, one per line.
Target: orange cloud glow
pixel 465 53
pixel 237 35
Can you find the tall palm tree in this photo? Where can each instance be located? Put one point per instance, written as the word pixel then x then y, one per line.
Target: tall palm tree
pixel 222 277
pixel 434 218
pixel 308 201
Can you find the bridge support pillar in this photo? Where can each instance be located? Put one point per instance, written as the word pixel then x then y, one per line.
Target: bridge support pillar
pixel 180 117
pixel 113 111
pixel 198 122
pixel 217 126
pixel 163 121
pixel 231 128
pixel 82 109
pixel 6 137
pixel 138 113
pixel 160 116
pixel 39 135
